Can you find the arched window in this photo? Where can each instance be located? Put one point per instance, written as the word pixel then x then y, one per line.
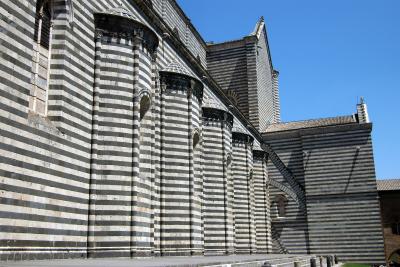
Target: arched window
pixel 41 64
pixel 144 106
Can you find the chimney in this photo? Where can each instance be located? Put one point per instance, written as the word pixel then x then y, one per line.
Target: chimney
pixel 362 112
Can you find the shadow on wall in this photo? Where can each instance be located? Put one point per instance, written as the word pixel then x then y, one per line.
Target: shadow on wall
pixel 394 259
pixel 352 168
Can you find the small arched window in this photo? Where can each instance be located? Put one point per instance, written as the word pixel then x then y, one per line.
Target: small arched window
pixel 144 106
pixel 41 64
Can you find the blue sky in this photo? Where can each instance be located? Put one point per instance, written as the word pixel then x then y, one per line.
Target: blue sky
pixel 328 53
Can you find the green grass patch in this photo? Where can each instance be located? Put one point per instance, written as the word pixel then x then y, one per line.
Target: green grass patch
pixel 355 265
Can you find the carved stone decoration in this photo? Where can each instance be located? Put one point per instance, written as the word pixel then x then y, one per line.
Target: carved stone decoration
pixel 213 114
pixel 119 22
pixel 175 77
pixel 243 138
pixel 259 154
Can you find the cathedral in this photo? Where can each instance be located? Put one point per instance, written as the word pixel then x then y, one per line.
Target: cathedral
pixel 124 134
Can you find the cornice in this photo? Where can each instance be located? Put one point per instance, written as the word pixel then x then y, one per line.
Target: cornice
pixel 181 82
pixel 259 154
pixel 242 138
pixel 115 25
pixel 214 114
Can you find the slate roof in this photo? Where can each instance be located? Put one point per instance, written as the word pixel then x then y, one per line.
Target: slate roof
pixel 388 185
pixel 295 125
pixel 119 11
pixel 175 67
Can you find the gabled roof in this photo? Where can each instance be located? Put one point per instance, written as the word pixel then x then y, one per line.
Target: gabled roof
pixel 388 185
pixel 296 125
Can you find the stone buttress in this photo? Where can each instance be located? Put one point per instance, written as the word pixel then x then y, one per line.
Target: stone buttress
pixel 262 202
pixel 120 213
pixel 218 184
pixel 244 206
pixel 181 230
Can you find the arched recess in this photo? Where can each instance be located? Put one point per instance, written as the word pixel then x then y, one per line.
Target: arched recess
pixel 145 104
pixel 289 191
pixel 196 138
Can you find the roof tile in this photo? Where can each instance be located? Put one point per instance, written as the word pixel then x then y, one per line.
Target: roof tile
pixel 388 185
pixel 295 125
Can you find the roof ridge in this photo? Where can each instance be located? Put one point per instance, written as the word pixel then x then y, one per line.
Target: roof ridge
pixel 316 119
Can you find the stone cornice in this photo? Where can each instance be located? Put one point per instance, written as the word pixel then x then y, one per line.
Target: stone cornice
pixel 244 138
pixel 214 114
pixel 259 154
pixel 123 26
pixel 181 82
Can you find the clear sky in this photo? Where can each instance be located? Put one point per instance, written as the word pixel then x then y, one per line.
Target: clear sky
pixel 328 53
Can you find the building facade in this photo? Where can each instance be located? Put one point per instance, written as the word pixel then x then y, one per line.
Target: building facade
pixel 389 198
pixel 335 208
pixel 120 138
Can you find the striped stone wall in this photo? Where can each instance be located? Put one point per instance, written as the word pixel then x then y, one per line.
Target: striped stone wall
pixel 175 18
pixel 45 162
pixel 114 169
pixel 262 202
pixel 342 201
pixel 265 102
pixel 218 187
pixel 233 76
pixel 291 229
pixel 244 67
pixel 181 181
pixel 126 162
pixel 244 202
pixel 335 167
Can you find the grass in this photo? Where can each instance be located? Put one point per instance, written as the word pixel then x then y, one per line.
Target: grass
pixel 355 265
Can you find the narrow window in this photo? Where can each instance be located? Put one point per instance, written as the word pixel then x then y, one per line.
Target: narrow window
pixel 41 64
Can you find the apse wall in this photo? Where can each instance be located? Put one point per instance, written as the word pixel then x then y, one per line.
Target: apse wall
pixel 117 166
